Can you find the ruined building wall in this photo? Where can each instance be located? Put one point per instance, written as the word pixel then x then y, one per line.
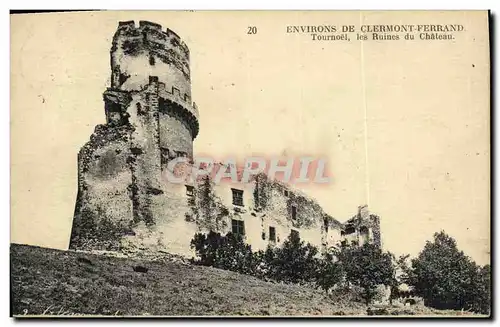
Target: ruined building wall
pixel 104 210
pixel 206 206
pixel 287 210
pixel 363 228
pixel 269 212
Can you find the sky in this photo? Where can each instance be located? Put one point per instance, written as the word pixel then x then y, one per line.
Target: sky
pixel 403 125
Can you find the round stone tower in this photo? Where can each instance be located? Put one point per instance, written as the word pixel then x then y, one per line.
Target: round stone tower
pixel 147 54
pixel 150 119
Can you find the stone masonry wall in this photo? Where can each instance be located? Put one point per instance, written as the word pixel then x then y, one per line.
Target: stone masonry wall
pixel 104 207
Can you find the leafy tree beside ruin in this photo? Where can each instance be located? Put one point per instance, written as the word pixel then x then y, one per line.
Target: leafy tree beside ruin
pixel 295 261
pixel 448 279
pixel 367 266
pixel 330 271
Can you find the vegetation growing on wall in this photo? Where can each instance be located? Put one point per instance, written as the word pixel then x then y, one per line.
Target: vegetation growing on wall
pixel 262 192
pixel 208 210
pixel 94 230
pixel 102 136
pixel 267 195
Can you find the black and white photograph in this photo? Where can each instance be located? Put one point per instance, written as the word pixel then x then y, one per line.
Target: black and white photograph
pixel 250 164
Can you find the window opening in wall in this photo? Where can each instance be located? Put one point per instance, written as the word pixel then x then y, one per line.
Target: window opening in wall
pixel 238 227
pixel 272 234
pixel 294 212
pixel 295 233
pixel 237 197
pixel 164 156
pixel 350 230
pixel 122 78
pixel 139 108
pixel 189 190
pixel 151 60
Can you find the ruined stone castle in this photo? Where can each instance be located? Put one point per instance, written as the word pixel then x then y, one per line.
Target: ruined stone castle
pixel 125 204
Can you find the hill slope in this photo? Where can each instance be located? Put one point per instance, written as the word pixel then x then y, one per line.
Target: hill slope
pixel 53 282
pixel 57 282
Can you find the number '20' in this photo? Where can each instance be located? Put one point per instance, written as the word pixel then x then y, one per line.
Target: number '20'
pixel 252 30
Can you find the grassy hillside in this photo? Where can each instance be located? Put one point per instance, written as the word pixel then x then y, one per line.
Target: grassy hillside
pixel 52 282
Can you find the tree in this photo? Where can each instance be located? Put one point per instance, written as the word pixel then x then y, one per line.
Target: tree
pixel 367 266
pixel 481 290
pixel 448 279
pixel 330 272
pixel 295 261
pixel 401 270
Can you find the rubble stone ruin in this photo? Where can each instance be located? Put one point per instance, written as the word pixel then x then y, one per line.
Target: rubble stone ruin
pixel 124 204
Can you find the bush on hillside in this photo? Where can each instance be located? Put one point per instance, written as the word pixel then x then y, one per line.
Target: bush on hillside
pixel 294 262
pixel 225 252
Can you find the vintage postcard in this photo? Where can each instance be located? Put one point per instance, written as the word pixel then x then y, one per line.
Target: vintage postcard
pixel 250 163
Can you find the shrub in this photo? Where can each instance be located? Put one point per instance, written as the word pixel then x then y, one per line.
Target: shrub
pixel 265 263
pixel 294 262
pixel 226 252
pixel 480 290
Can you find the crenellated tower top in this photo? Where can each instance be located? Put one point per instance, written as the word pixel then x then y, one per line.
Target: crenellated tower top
pixel 147 50
pixel 147 57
